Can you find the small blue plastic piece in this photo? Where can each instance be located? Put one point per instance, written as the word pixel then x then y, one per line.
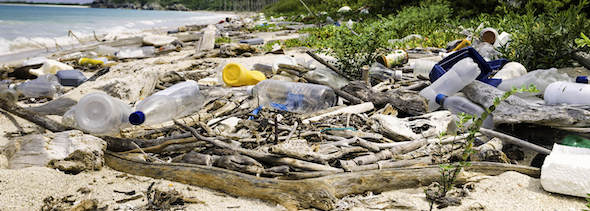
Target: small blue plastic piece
pixel 486 68
pixel 280 107
pixel 255 112
pixel 440 98
pixel 137 118
pixel 582 79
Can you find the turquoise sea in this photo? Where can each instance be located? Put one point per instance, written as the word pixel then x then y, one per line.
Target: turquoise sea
pixel 27 27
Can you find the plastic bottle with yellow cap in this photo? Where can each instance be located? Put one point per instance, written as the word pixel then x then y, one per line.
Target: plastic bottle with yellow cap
pixel 235 74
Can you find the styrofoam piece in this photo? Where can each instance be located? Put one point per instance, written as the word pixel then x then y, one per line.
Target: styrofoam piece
pixel 566 171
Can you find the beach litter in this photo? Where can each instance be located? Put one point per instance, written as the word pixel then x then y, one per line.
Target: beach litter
pixel 291 129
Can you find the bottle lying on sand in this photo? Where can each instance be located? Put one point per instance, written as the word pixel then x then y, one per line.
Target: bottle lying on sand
pixel 42 86
pixel 568 93
pixel 460 75
pixel 292 96
pixel 176 101
pixel 458 105
pixel 98 113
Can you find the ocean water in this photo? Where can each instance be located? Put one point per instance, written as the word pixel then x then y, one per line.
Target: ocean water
pixel 26 27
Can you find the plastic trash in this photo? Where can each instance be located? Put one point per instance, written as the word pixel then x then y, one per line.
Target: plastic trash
pixel 50 67
pixel 487 51
pixel 380 73
pixel 254 41
pixel 422 67
pixel 176 101
pixel 486 67
pixel 34 61
pixel 489 35
pixel 511 70
pixel 293 97
pixel 98 113
pixel 568 93
pixel 235 74
pixel 208 39
pixel 458 104
pixel 540 78
pixel 305 63
pixel 503 40
pixel 326 77
pixel 582 79
pixel 283 60
pixel 460 44
pixel 575 141
pixel 137 52
pixel 95 61
pixel 70 77
pixel 460 75
pixel 42 86
pixel 395 58
pixel 106 51
pixel 344 9
pixel 566 171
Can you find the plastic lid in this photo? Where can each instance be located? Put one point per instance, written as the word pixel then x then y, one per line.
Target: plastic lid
pixel 582 79
pixel 440 98
pixel 137 118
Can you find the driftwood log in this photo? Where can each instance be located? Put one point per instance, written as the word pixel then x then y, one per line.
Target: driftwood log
pixel 320 193
pixel 516 110
pixel 33 117
pixel 409 102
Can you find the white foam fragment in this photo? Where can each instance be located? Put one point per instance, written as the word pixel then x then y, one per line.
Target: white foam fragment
pixel 567 171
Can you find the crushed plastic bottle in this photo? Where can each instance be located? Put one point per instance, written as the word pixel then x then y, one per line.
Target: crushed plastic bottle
pixel 176 101
pixel 98 113
pixel 458 104
pixel 460 75
pixel 293 97
pixel 540 78
pixel 138 52
pixel 568 93
pixel 42 86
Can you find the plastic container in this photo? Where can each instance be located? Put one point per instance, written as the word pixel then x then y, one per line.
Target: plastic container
pixel 457 105
pixel 380 73
pixel 460 75
pixel 540 78
pixel 138 52
pixel 107 51
pixel 70 77
pixel 503 40
pixel 462 44
pixel 293 97
pixel 568 93
pixel 395 58
pixel 511 70
pixel 327 77
pixel 235 74
pixel 575 141
pixel 176 101
pixel 566 171
pixel 422 67
pixel 582 79
pixel 98 113
pixel 43 86
pixel 486 67
pixel 489 35
pixel 50 67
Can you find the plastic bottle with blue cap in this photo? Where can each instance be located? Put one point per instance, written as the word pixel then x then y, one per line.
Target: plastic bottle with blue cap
pixel 460 75
pixel 457 105
pixel 98 113
pixel 176 101
pixel 292 96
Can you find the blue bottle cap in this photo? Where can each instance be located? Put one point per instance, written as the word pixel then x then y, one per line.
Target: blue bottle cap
pixel 582 79
pixel 440 98
pixel 137 118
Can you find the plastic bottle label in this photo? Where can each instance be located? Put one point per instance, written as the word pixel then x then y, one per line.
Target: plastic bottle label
pixel 294 100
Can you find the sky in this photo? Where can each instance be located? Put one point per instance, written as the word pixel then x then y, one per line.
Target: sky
pixel 56 1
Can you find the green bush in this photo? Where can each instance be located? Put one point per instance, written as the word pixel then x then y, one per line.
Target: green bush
pixel 220 40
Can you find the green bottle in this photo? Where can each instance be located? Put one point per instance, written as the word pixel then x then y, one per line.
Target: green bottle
pixel 575 141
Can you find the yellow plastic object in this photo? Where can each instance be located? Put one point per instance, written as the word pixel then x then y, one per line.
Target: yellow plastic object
pixel 461 45
pixel 87 61
pixel 237 75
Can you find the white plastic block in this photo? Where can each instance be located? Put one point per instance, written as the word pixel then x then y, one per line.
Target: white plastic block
pixel 567 171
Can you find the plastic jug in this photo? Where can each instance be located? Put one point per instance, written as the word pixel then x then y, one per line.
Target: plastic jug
pixel 43 86
pixel 540 78
pixel 50 67
pixel 98 113
pixel 457 105
pixel 511 70
pixel 235 74
pixel 460 75
pixel 567 92
pixel 176 101
pixel 293 97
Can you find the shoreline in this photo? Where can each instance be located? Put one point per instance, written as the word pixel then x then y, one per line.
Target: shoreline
pixel 45 5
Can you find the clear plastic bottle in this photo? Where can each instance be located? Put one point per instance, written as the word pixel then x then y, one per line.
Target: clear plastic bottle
pixel 283 60
pixel 327 77
pixel 293 97
pixel 422 67
pixel 176 101
pixel 458 104
pixel 568 93
pixel 460 75
pixel 540 78
pixel 511 70
pixel 42 86
pixel 98 113
pixel 139 52
pixel 380 73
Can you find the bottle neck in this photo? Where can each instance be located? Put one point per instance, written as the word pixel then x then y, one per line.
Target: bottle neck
pixel 440 99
